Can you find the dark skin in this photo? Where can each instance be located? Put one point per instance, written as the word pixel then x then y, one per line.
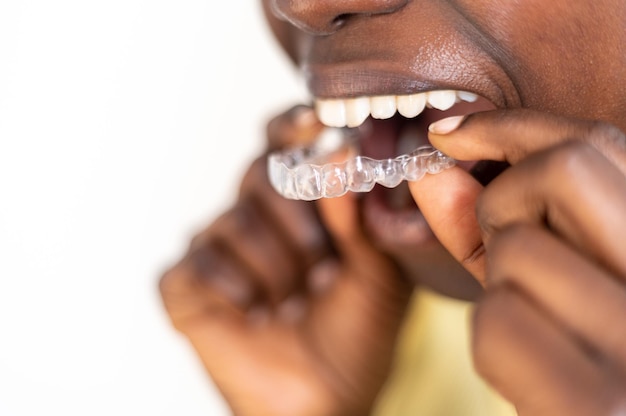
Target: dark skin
pixel 546 334
pixel 289 317
pixel 298 313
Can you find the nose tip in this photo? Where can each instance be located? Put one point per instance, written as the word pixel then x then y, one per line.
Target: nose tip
pixel 323 17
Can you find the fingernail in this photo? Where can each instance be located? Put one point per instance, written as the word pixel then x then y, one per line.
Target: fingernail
pixel 446 125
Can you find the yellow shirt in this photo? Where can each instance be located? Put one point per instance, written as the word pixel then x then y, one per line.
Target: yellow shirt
pixel 433 373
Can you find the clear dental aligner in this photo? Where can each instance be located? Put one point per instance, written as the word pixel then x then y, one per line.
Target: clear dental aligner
pixel 295 174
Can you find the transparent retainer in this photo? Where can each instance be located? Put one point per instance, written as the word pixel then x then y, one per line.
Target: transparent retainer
pixel 299 173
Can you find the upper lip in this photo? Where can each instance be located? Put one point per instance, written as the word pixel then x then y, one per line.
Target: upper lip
pixel 371 78
pixel 350 63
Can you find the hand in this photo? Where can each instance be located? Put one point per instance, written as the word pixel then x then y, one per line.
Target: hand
pixel 547 238
pixel 289 316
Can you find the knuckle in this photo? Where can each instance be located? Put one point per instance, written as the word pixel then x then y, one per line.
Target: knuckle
pixel 484 210
pixel 166 282
pixel 298 125
pixel 601 131
pixel 239 221
pixel 618 403
pixel 610 141
pixel 482 334
pixel 277 128
pixel 570 161
pixel 163 285
pixel 473 255
pixel 198 240
pixel 211 234
pixel 246 218
pixel 255 182
pixel 510 240
pixel 173 300
pixel 491 330
pixel 506 248
pixel 256 174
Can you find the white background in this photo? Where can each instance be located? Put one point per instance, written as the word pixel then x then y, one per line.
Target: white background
pixel 124 127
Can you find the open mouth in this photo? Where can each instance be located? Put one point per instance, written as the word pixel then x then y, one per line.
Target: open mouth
pixel 384 131
pixel 388 126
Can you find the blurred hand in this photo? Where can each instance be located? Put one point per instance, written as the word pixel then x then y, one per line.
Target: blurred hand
pixel 548 241
pixel 289 307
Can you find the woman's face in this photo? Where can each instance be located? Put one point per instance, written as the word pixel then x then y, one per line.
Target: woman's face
pixel 566 57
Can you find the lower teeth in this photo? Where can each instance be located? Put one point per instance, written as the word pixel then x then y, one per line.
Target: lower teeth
pixel 298 174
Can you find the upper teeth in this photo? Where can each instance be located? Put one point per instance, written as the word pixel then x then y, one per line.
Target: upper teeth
pixel 352 112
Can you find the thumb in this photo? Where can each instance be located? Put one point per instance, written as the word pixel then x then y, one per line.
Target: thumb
pixel 370 271
pixel 342 220
pixel 447 201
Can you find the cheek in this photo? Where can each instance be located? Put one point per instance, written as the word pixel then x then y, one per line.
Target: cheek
pixel 550 49
pixel 528 32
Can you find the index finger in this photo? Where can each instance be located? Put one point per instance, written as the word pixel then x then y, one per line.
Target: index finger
pixel 448 200
pixel 511 135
